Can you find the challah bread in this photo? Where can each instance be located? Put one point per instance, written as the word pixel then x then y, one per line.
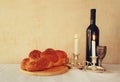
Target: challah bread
pixel 38 60
pixel 34 55
pixel 62 58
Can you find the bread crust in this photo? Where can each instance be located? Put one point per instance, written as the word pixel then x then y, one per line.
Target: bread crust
pixel 38 60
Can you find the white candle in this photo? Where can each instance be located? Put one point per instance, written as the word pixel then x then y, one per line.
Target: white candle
pixel 93 46
pixel 76 44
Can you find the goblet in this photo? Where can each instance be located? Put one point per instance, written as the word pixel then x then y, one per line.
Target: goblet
pixel 101 52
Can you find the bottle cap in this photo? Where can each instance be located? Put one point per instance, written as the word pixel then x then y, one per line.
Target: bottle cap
pixel 93 10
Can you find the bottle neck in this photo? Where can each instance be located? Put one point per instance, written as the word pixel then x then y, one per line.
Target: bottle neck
pixel 92 22
pixel 93 17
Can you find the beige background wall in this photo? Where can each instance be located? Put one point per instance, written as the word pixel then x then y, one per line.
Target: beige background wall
pixel 38 24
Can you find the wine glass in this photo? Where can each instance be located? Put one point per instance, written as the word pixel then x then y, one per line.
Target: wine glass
pixel 101 52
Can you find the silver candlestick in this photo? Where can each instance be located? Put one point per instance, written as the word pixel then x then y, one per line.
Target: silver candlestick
pixel 93 67
pixel 75 64
pixel 94 58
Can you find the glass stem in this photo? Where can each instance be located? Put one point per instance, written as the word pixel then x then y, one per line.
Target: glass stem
pixel 100 62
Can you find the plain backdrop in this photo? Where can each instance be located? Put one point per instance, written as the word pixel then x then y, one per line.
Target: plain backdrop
pixel 26 25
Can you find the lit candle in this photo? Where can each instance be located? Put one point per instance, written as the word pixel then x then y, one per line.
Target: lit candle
pixel 93 46
pixel 76 44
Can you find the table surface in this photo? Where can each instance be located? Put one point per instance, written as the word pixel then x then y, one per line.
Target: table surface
pixel 12 73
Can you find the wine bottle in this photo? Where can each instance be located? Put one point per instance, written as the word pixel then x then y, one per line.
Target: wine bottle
pixel 92 32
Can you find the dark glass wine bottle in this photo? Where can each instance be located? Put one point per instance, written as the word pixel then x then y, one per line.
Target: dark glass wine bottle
pixel 92 30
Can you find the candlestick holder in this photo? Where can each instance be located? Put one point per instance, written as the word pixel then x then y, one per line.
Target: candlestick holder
pixel 93 67
pixel 75 64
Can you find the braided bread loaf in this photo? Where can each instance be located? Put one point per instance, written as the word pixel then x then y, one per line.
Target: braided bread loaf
pixel 38 60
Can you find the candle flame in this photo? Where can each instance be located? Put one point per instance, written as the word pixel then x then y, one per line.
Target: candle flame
pixel 93 36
